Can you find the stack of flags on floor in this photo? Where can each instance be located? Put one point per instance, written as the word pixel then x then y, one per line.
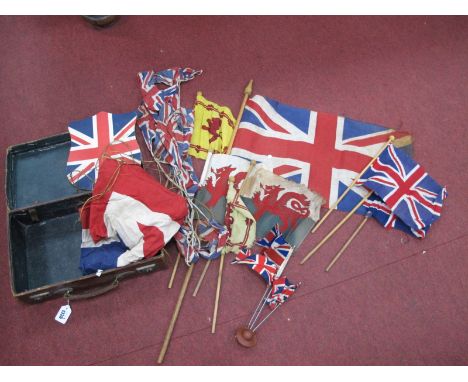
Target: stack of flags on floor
pixel 266 176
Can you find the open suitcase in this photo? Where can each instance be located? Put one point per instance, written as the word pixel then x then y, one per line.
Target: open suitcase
pixel 44 229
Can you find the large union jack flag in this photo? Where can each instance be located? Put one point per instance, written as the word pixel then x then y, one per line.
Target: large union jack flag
pixel 262 265
pixel 322 151
pixel 103 133
pixel 405 187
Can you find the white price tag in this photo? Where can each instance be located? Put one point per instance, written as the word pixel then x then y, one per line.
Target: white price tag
pixel 63 314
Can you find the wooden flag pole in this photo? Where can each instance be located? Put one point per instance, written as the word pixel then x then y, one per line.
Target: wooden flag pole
pixel 337 227
pixel 174 271
pixel 218 292
pixel 202 276
pixel 348 242
pixel 247 94
pixel 324 217
pixel 221 264
pixel 175 314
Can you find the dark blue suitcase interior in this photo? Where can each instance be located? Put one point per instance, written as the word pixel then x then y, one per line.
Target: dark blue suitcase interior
pixel 44 226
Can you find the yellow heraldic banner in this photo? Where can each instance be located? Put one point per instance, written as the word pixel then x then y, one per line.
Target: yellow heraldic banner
pixel 212 129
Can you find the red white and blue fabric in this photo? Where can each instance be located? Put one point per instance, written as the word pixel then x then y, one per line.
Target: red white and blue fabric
pixel 130 217
pixel 276 248
pixel 103 133
pixel 323 151
pixel 384 215
pixel 261 265
pixel 243 253
pixel 212 239
pixel 167 129
pixel 281 290
pixel 167 126
pixel 405 187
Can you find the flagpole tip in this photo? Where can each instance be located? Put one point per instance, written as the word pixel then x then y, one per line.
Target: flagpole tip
pixel 248 88
pixel 246 337
pixel 392 138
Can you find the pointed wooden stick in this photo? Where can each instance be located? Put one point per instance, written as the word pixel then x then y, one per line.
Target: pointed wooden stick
pixel 174 271
pixel 337 227
pixel 247 93
pixel 218 291
pixel 200 280
pixel 348 242
pixel 324 217
pixel 175 314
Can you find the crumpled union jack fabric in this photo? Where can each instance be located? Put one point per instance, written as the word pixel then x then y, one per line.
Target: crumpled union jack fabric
pixel 405 188
pixel 275 246
pixel 167 126
pixel 281 290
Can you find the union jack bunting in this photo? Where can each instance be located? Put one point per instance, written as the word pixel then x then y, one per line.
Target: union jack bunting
pixel 103 133
pixel 166 126
pixel 406 188
pixel 275 246
pixel 213 237
pixel 262 265
pixel 323 151
pixel 167 129
pixel 281 290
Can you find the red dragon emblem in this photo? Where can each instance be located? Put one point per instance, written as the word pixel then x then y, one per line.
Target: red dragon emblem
pixel 217 183
pixel 213 128
pixel 289 207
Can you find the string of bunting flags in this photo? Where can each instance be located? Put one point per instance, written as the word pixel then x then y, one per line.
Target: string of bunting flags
pixel 266 176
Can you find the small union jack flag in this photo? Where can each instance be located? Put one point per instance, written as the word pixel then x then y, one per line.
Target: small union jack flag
pixel 103 133
pixel 275 246
pixel 281 290
pixel 262 265
pixel 384 215
pixel 406 188
pixel 243 253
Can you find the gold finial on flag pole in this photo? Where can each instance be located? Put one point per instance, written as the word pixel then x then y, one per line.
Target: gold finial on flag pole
pixel 324 217
pixel 247 94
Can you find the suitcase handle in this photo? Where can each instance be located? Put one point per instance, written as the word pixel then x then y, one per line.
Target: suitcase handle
pixel 97 291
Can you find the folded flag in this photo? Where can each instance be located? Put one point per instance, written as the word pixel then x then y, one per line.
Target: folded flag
pixel 406 188
pixel 239 222
pixel 101 255
pixel 92 137
pixel 261 265
pixel 281 290
pixel 274 200
pixel 276 248
pixel 212 128
pixel 130 207
pixel 322 151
